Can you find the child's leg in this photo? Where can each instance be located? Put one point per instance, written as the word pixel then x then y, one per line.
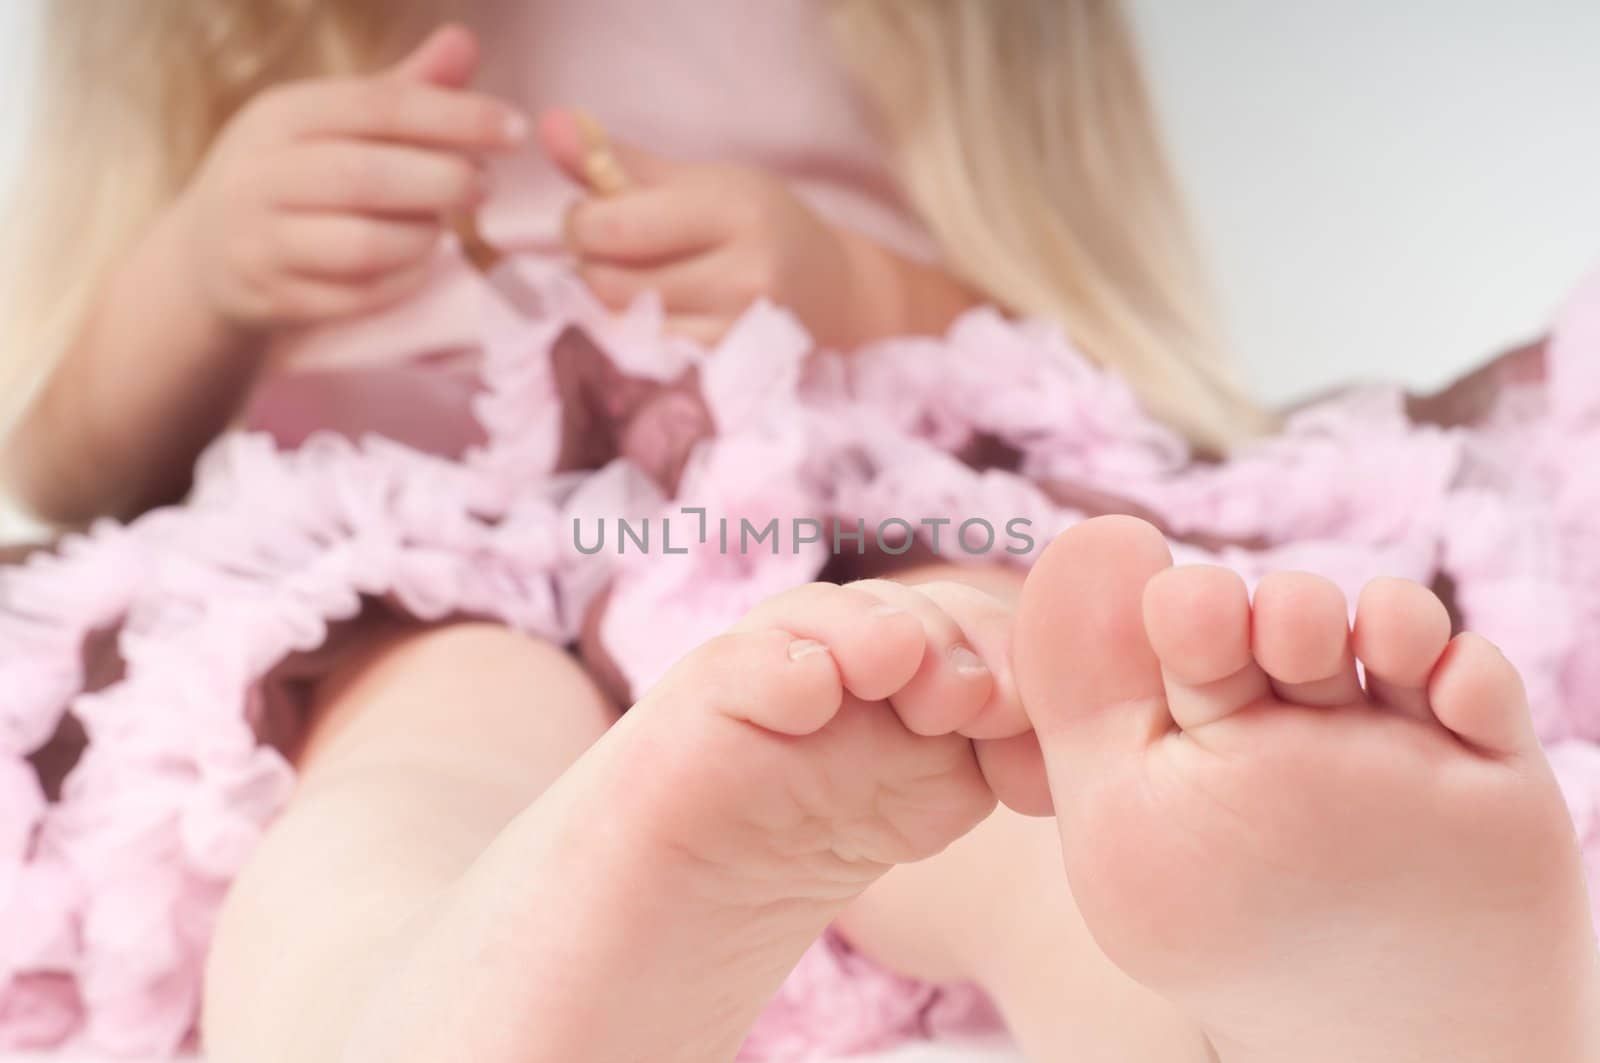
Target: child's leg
pixel 418 756
pixel 651 900
pixel 994 909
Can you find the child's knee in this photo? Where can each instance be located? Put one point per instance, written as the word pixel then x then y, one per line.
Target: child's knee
pixel 460 684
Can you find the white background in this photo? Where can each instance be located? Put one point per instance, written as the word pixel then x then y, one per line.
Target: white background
pixel 1386 187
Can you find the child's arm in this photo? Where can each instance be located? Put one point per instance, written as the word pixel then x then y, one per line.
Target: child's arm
pixel 153 376
pixel 711 239
pixel 897 296
pixel 321 199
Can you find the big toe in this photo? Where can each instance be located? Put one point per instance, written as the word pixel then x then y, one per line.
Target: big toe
pixel 1088 678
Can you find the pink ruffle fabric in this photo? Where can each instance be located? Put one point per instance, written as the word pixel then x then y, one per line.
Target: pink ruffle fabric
pixel 107 895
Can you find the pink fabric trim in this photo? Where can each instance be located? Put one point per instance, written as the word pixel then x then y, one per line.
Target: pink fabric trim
pixel 107 897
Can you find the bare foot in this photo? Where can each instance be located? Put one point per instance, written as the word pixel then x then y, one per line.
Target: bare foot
pixel 648 905
pixel 1312 870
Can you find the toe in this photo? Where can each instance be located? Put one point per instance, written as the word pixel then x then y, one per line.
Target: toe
pixel 1401 629
pixel 1014 769
pixel 986 623
pixel 1300 635
pixel 878 647
pixel 964 680
pixel 1198 620
pixel 1089 680
pixel 1477 693
pixel 769 678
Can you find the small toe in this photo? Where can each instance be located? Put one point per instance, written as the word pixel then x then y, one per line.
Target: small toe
pixel 1014 769
pixel 1300 635
pixel 1401 630
pixel 878 649
pixel 986 624
pixel 964 679
pixel 1477 693
pixel 1198 620
pixel 766 677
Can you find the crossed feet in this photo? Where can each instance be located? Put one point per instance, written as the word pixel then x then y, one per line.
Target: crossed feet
pixel 1309 868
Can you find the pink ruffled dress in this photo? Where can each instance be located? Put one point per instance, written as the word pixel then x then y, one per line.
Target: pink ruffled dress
pixel 413 458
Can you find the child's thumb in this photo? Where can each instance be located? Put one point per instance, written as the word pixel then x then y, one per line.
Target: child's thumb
pixel 576 143
pixel 447 58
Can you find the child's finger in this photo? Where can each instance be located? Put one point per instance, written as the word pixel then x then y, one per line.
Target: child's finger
pixel 349 247
pixel 375 178
pixel 571 138
pixel 390 108
pixel 705 329
pixel 447 57
pixel 647 225
pixel 697 284
pixel 311 299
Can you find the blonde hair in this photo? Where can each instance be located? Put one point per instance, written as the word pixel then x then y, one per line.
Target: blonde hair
pixel 1026 139
pixel 1022 130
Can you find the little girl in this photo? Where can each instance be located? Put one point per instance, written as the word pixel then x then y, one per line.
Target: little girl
pixel 377 584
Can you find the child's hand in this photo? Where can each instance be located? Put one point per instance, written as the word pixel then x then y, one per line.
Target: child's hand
pixel 324 197
pixel 711 239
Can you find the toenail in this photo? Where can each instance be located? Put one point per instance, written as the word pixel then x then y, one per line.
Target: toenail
pixel 805 648
pixel 966 662
pixel 886 609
